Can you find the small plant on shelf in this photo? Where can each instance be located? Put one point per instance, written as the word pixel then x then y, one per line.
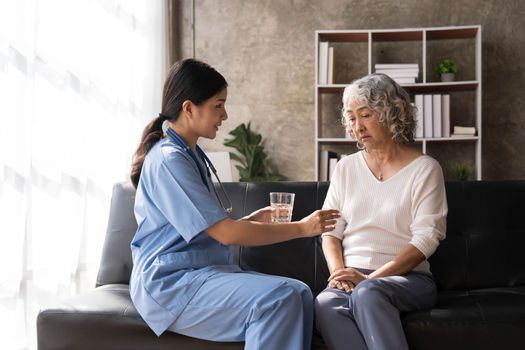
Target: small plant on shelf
pixel 253 160
pixel 461 171
pixel 447 69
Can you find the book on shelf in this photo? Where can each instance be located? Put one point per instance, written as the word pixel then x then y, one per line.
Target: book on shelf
pixel 396 65
pixel 324 164
pixel 323 62
pixel 467 130
pixel 332 162
pixel 399 73
pixel 436 116
pixel 418 101
pixel 427 115
pixel 463 131
pixel 326 63
pixel 331 65
pixel 445 115
pixel 405 80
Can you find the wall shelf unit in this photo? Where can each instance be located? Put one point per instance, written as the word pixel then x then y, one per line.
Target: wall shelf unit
pixel 354 53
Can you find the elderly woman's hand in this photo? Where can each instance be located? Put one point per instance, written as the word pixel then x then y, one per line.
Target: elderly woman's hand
pixel 345 279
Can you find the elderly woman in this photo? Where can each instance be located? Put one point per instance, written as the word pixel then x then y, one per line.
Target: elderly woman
pixel 393 215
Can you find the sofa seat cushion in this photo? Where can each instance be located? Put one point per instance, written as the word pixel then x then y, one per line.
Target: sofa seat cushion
pixel 493 317
pixel 105 318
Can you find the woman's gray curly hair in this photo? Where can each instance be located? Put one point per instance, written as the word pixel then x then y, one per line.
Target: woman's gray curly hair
pixel 384 96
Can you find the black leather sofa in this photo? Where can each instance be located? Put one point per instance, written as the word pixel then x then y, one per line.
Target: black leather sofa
pixel 479 268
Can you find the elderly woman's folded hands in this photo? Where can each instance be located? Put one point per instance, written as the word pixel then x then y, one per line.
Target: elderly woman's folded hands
pixel 345 279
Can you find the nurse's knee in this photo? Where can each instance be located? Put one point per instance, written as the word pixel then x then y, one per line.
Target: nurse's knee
pixel 296 293
pixel 303 290
pixel 286 295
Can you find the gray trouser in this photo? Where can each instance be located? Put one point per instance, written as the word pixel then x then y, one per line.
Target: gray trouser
pixel 369 316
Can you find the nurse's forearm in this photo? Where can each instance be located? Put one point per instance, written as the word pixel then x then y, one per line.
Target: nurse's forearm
pixel 243 232
pixel 253 233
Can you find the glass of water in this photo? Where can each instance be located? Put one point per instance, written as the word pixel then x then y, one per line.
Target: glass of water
pixel 282 203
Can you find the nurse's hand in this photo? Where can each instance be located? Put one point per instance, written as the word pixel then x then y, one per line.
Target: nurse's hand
pixel 319 221
pixel 263 215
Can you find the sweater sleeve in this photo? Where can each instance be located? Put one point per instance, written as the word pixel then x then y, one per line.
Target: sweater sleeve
pixel 429 210
pixel 334 200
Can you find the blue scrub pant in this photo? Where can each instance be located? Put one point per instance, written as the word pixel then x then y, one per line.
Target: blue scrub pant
pixel 369 316
pixel 267 312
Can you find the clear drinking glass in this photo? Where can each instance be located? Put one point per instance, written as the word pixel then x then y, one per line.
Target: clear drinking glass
pixel 282 202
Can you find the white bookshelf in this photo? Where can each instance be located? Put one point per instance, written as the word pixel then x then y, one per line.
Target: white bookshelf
pixel 356 53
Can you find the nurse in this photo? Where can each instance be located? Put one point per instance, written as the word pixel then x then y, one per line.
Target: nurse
pixel 183 278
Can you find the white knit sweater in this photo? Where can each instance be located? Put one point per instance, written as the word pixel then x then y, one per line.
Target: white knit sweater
pixel 379 218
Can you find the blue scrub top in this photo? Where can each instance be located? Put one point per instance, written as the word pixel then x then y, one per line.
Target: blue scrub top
pixel 172 255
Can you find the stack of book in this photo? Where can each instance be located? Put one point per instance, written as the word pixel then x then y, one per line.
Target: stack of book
pixel 326 63
pixel 463 131
pixel 401 73
pixel 433 116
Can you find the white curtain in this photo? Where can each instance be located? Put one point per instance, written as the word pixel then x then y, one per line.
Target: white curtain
pixel 78 81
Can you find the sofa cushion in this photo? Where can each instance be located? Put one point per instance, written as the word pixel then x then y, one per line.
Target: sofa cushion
pixel 116 263
pixel 105 318
pixel 493 317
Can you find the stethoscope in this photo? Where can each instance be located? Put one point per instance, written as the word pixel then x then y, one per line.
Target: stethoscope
pixel 207 162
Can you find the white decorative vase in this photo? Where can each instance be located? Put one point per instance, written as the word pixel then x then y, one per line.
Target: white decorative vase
pixel 446 77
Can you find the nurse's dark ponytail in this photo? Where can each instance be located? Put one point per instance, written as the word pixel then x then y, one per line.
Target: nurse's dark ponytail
pixel 150 136
pixel 187 80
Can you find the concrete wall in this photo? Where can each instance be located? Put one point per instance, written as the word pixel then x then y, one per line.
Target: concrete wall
pixel 265 49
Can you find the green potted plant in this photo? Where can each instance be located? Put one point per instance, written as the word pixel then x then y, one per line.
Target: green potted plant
pixel 447 69
pixel 461 171
pixel 253 160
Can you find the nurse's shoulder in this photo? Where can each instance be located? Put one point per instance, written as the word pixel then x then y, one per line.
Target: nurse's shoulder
pixel 165 152
pixel 164 156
